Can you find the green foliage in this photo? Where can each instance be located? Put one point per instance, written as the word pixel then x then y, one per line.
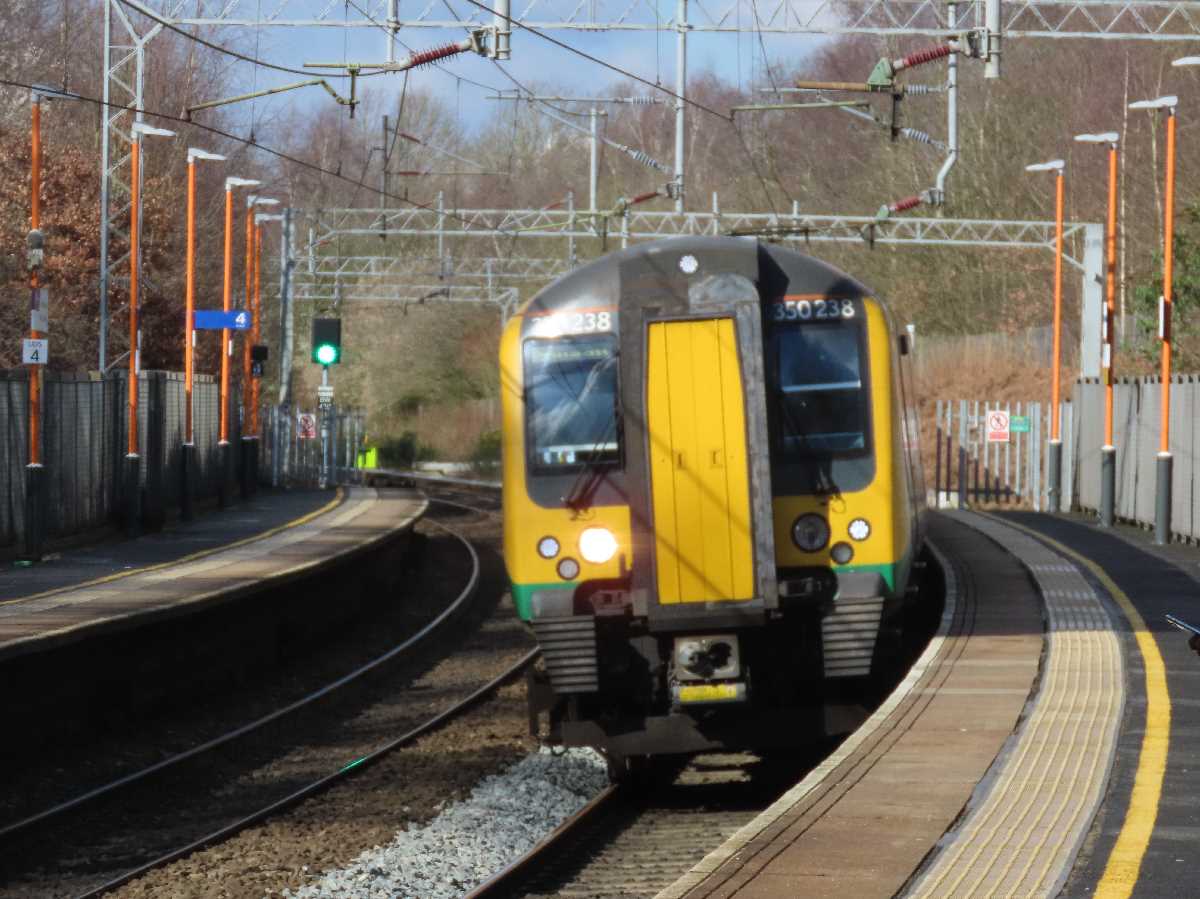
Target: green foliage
pixel 403 451
pixel 487 447
pixel 1185 295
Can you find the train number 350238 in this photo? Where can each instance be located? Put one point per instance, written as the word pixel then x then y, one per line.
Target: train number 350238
pixel 805 310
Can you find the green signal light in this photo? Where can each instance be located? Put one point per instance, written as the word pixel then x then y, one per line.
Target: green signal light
pixel 327 354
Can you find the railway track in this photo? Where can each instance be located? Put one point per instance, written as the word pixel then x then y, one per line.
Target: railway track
pixel 109 795
pixel 636 839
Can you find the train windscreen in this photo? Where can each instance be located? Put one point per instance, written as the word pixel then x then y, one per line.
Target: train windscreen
pixel 571 402
pixel 822 401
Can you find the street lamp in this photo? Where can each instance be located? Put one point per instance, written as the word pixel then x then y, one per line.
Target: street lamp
pixel 1162 487
pixel 140 131
pixel 226 344
pixel 250 433
pixel 1108 452
pixel 189 339
pixel 1055 479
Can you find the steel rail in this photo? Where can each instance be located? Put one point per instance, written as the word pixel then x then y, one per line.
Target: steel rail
pixel 465 596
pixel 504 881
pixel 328 780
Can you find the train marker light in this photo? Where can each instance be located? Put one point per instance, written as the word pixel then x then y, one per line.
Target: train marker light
pixel 860 529
pixel 327 341
pixel 597 545
pixel 842 553
pixel 568 569
pixel 547 547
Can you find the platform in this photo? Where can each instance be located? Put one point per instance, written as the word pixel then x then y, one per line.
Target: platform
pixel 1032 750
pixel 266 541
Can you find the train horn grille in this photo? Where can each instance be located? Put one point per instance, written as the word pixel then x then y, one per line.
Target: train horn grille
pixel 569 652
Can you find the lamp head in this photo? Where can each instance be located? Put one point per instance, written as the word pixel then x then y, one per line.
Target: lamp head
pixel 256 200
pixel 1168 102
pixel 233 181
pixel 46 92
pixel 1187 61
pixel 195 153
pixel 1108 137
pixel 150 130
pixel 1054 165
pixel 264 217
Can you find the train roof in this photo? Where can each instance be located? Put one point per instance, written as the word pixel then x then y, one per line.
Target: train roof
pixel 777 270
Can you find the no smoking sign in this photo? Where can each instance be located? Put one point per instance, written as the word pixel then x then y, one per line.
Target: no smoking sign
pixel 997 427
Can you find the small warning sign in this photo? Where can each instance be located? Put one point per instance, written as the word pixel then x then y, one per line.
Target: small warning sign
pixel 306 426
pixel 998 427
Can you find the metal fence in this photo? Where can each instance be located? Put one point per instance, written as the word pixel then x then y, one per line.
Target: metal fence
pixel 84 441
pixel 1136 405
pixel 287 455
pixel 971 469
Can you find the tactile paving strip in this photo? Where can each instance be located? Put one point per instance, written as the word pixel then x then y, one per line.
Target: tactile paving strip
pixel 1022 836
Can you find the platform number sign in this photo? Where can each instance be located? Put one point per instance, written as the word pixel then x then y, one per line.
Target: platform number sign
pixel 998 426
pixel 35 352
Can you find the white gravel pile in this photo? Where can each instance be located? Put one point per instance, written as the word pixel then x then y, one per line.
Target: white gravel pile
pixel 469 841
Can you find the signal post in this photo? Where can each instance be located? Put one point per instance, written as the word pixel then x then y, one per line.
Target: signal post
pixel 326 351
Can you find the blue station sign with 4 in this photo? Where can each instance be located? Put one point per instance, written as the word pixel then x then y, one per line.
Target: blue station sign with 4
pixel 217 320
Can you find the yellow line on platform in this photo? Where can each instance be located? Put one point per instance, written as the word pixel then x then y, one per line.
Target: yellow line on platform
pixel 295 522
pixel 1125 861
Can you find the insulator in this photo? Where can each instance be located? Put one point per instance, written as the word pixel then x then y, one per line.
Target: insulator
pixel 640 101
pixel 644 159
pixel 929 54
pixel 425 57
pixel 904 205
pixel 920 90
pixel 642 198
pixel 921 137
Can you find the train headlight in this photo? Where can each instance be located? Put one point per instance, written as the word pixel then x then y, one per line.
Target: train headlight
pixel 568 569
pixel 548 547
pixel 842 553
pixel 597 545
pixel 860 529
pixel 810 532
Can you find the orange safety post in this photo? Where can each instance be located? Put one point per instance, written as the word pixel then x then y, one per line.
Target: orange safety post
pixel 257 322
pixel 248 300
pixel 226 345
pixel 1164 443
pixel 135 154
pixel 1110 306
pixel 1058 261
pixel 189 301
pixel 35 222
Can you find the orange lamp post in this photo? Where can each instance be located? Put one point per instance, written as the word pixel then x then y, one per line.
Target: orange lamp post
pixel 189 333
pixel 1163 464
pixel 1108 451
pixel 1054 479
pixel 35 475
pixel 250 435
pixel 132 473
pixel 224 459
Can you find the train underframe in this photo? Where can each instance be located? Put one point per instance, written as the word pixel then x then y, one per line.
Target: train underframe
pixel 781 681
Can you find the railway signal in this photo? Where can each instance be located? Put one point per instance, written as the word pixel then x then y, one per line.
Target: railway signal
pixel 327 341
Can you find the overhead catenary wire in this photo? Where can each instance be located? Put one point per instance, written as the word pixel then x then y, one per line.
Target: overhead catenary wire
pixel 270 151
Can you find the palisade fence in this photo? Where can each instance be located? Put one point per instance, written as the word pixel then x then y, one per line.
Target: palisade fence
pixel 1136 417
pixel 84 439
pixel 971 470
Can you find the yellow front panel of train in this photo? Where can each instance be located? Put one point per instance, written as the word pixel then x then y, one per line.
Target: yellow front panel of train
pixel 698 462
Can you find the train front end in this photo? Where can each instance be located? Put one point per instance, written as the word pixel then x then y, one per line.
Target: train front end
pixel 708 507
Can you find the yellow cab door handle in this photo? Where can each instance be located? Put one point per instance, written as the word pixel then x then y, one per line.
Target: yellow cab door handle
pixel 679 457
pixel 718 458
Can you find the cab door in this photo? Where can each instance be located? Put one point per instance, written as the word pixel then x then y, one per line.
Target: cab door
pixel 698 462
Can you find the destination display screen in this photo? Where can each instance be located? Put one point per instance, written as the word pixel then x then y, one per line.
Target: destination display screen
pixel 571 402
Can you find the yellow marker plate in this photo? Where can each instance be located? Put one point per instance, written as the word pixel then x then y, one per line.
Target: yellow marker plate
pixel 708 693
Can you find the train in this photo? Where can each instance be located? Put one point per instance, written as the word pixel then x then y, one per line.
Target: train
pixel 712 497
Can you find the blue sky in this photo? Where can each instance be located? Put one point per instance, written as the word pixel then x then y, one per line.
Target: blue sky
pixel 736 58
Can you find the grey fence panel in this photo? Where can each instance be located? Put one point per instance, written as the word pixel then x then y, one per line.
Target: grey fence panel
pixel 1181 450
pixel 1126 397
pixel 1147 428
pixel 1089 400
pixel 14 454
